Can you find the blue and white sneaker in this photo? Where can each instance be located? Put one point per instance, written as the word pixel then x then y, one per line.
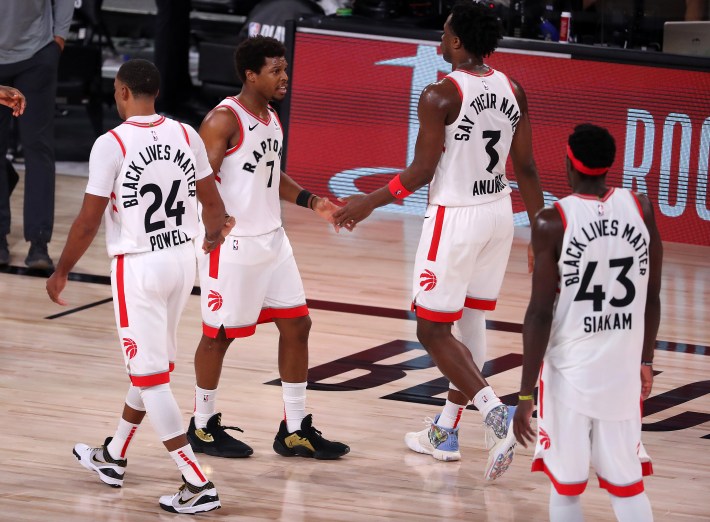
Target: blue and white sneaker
pixel 440 443
pixel 500 440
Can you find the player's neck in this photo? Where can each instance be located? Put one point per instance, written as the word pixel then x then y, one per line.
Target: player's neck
pixel 255 102
pixel 591 188
pixel 471 63
pixel 139 109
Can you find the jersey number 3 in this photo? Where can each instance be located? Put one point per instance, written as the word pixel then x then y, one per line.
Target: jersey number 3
pixel 597 295
pixel 172 209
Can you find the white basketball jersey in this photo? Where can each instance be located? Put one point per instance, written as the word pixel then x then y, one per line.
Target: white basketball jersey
pixel 153 204
pixel 593 359
pixel 471 170
pixel 250 174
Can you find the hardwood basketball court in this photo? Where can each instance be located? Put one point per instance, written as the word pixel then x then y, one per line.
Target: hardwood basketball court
pixel 62 382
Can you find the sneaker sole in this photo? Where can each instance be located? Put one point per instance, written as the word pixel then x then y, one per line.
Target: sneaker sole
pixel 204 508
pixel 301 451
pixel 503 459
pixel 114 483
pixel 413 444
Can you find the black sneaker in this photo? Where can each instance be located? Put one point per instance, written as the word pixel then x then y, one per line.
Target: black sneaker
pixel 38 257
pixel 307 442
pixel 4 252
pixel 213 439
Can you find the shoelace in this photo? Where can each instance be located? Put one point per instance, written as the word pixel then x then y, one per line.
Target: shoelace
pixel 235 428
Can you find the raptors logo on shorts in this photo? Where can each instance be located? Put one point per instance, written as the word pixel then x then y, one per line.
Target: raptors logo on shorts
pixel 544 439
pixel 214 300
pixel 131 347
pixel 427 280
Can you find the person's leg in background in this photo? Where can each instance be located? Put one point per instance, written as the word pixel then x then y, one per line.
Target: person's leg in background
pixel 38 82
pixel 7 74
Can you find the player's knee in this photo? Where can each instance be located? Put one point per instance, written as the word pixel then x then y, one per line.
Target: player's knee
pixel 428 332
pixel 296 329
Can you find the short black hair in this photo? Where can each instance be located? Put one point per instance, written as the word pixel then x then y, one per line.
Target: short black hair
pixel 252 53
pixel 140 76
pixel 594 146
pixel 477 27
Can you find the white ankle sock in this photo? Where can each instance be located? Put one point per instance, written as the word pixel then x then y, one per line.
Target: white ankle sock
pixel 565 508
pixel 632 509
pixel 485 400
pixel 122 438
pixel 294 395
pixel 450 415
pixel 189 467
pixel 204 406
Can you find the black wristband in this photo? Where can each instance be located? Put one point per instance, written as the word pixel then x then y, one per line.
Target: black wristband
pixel 303 197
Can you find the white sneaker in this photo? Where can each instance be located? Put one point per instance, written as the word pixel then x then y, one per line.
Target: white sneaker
pixel 191 499
pixel 440 443
pixel 110 471
pixel 500 441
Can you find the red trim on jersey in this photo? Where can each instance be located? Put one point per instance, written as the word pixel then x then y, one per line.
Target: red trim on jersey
pixel 562 214
pixel 591 197
pixel 438 225
pixel 120 290
pixel 646 468
pixel 491 71
pixel 241 131
pixel 118 139
pixel 265 122
pixel 150 380
pixel 184 131
pixel 540 394
pixel 480 304
pixel 269 314
pixel 571 490
pixel 629 490
pixel 214 263
pixel 458 87
pixel 437 317
pixel 128 441
pixel 145 125
pixel 638 203
pixel 194 466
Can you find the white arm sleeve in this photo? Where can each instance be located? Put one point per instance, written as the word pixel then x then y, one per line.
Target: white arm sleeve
pixel 203 166
pixel 104 165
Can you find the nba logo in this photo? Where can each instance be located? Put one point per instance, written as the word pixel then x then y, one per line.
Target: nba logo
pixel 254 28
pixel 205 398
pixel 485 85
pixel 235 244
pixel 155 135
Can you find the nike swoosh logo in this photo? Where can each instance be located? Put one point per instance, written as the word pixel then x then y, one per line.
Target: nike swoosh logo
pixel 254 127
pixel 186 501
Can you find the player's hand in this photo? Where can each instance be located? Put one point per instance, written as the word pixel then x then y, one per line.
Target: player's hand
pixel 325 208
pixel 531 258
pixel 209 245
pixel 646 381
pixel 55 285
pixel 357 208
pixel 521 423
pixel 13 98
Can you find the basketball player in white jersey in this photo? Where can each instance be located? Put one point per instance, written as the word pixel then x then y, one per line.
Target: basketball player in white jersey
pixel 145 177
pixel 591 324
pixel 253 277
pixel 469 123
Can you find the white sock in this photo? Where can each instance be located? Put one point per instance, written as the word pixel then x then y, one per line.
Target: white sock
pixel 121 439
pixel 632 509
pixel 485 400
pixel 189 467
pixel 294 394
pixel 204 406
pixel 450 415
pixel 565 508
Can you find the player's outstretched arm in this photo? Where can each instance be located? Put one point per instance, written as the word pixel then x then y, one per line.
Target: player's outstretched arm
pixel 521 154
pixel 292 192
pixel 547 233
pixel 81 234
pixel 436 103
pixel 11 97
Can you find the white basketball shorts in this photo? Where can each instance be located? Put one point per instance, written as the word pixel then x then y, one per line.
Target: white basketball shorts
pixel 461 259
pixel 150 291
pixel 247 281
pixel 567 441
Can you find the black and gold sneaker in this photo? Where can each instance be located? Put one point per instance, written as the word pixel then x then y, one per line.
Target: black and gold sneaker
pixel 110 471
pixel 307 442
pixel 214 440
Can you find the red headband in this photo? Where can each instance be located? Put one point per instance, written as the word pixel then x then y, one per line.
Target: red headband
pixel 582 168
